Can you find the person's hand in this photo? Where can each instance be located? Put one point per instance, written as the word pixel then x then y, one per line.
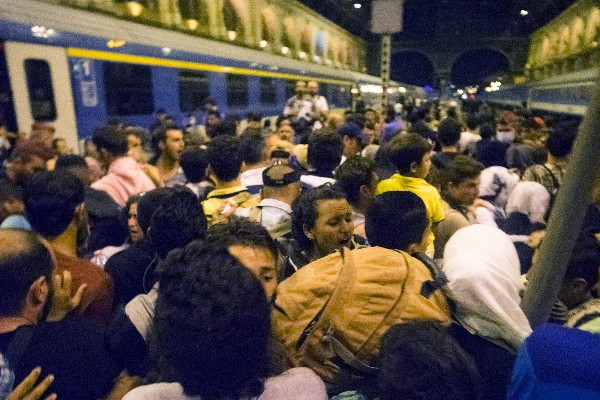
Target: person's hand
pixel 225 212
pixel 63 303
pixel 28 390
pixel 535 239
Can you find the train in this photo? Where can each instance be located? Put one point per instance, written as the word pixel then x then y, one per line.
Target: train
pixel 79 69
pixel 563 94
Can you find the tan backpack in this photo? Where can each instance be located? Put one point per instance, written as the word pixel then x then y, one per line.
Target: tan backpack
pixel 333 312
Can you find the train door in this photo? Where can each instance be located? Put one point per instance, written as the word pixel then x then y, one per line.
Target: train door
pixel 41 86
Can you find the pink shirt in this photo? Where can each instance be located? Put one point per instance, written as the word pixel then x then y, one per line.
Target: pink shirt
pixel 124 179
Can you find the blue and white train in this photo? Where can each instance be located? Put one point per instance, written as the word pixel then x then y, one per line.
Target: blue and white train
pixel 79 69
pixel 563 94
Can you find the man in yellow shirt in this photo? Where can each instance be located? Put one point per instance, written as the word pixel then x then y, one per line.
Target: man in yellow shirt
pixel 411 155
pixel 225 163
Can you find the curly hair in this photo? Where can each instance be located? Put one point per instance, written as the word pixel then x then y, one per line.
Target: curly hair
pixel 304 211
pixel 212 323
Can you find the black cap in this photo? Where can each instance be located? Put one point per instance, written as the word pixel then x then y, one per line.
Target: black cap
pixel 280 175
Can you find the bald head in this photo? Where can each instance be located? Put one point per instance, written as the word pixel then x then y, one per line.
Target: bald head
pixel 23 259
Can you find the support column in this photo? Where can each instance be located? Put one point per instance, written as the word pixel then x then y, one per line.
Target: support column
pixel 386 57
pixel 548 270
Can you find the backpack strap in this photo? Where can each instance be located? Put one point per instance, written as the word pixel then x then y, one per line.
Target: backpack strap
pixel 18 345
pixel 339 297
pixel 554 180
pixel 345 278
pixel 439 278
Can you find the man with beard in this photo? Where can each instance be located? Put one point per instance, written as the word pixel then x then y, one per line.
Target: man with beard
pixel 54 207
pixel 171 145
pixel 33 332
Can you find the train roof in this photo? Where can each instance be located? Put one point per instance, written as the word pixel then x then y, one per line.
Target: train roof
pixel 86 34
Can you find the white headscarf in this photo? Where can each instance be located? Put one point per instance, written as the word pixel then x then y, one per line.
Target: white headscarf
pixel 496 185
pixel 483 270
pixel 529 198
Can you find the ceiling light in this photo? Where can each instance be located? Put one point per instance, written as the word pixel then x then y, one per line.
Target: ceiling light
pixel 192 24
pixel 134 7
pixel 231 35
pixel 524 13
pixel 285 50
pixel 357 5
pixel 263 43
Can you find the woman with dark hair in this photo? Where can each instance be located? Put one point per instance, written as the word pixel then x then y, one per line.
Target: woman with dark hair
pixel 212 327
pixel 133 268
pixel 321 224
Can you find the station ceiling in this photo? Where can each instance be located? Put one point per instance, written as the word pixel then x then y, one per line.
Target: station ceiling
pixel 423 18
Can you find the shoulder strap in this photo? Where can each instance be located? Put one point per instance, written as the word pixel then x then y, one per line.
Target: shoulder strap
pixel 18 345
pixel 346 275
pixel 439 278
pixel 554 180
pixel 339 297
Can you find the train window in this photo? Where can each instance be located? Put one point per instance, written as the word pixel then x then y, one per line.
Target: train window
pixel 268 92
pixel 237 91
pixel 193 90
pixel 41 92
pixel 128 89
pixel 290 88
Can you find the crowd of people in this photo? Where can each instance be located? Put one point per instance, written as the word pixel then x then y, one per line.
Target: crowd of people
pixel 327 255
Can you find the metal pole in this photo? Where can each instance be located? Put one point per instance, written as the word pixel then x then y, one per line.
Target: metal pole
pixel 573 198
pixel 386 57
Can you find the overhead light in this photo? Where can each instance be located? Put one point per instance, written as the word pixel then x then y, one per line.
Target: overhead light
pixel 42 31
pixel 302 54
pixel 464 96
pixel 354 91
pixel 524 13
pixel 192 24
pixel 357 5
pixel 113 44
pixel 263 43
pixel 134 7
pixel 402 89
pixel 285 50
pixel 231 35
pixel 317 58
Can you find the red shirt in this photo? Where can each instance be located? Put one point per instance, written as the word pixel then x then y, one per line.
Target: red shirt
pixel 98 297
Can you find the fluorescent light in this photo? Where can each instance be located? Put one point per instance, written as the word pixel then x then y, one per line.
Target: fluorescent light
pixel 524 13
pixel 357 5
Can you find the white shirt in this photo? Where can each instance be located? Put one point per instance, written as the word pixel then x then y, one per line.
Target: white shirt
pixel 274 212
pixel 253 177
pixel 294 384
